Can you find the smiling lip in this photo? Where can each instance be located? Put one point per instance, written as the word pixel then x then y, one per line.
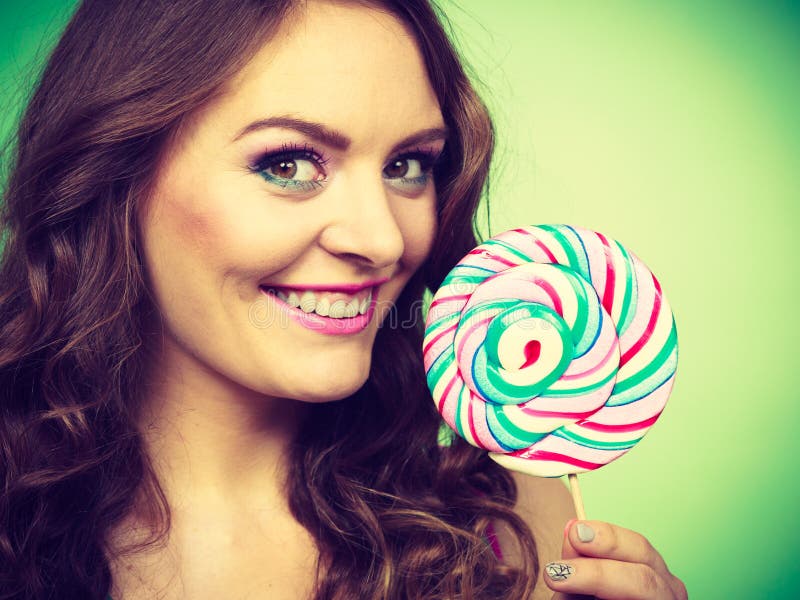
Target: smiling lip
pixel 326 325
pixel 344 288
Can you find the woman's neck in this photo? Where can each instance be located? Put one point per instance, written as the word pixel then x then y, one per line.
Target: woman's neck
pixel 210 439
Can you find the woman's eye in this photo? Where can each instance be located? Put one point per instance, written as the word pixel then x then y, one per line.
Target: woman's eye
pixel 293 168
pixel 411 171
pixel 408 168
pixel 298 169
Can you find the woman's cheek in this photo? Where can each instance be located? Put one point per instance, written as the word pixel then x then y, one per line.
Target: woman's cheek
pixel 419 227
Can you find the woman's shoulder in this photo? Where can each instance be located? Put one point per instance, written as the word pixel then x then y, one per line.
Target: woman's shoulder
pixel 545 504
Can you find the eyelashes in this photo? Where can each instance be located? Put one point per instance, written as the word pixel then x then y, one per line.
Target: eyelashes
pixel 286 159
pixel 301 168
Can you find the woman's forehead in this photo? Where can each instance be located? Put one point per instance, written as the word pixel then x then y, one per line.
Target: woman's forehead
pixel 342 64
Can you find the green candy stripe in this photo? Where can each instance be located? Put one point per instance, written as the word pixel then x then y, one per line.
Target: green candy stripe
pixel 626 315
pixel 514 312
pixel 582 390
pixel 486 373
pixel 439 366
pixel 663 366
pixel 648 386
pixel 506 431
pixel 579 286
pixel 524 258
pixel 441 323
pixel 596 444
pixel 456 278
pixel 566 245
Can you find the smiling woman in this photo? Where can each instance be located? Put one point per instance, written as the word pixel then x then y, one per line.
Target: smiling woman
pixel 322 199
pixel 210 223
pixel 216 213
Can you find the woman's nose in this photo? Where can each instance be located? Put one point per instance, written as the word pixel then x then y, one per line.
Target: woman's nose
pixel 364 228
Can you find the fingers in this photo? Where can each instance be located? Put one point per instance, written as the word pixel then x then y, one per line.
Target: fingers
pixel 615 561
pixel 567 551
pixel 604 540
pixel 607 579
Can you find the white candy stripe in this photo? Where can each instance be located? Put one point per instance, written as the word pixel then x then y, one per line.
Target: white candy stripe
pixel 658 338
pixel 597 261
pixel 606 436
pixel 511 351
pixel 580 404
pixel 479 422
pixel 604 350
pixel 539 424
pixel 620 281
pixel 635 412
pixel 537 468
pixel 644 308
pixel 559 445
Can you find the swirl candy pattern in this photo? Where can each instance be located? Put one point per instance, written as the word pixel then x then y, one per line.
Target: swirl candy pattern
pixel 552 347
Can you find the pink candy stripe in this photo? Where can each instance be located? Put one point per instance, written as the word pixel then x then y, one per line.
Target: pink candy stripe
pixel 471 421
pixel 595 368
pixel 620 428
pixel 444 299
pixel 467 334
pixel 493 256
pixel 557 415
pixel 445 393
pixel 437 337
pixel 546 250
pixel 551 291
pixel 651 325
pixel 557 457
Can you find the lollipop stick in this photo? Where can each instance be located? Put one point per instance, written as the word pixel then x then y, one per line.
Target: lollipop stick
pixel 577 499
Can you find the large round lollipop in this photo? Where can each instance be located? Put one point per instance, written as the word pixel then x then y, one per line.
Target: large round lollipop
pixel 551 346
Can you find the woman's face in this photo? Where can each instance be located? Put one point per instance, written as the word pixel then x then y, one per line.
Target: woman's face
pixel 312 172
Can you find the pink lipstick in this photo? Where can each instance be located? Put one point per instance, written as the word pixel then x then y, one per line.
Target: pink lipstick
pixel 327 325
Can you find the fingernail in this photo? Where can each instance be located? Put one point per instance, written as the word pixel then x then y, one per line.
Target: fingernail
pixel 567 526
pixel 558 571
pixel 585 533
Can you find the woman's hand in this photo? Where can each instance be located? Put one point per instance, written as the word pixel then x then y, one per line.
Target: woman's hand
pixel 609 562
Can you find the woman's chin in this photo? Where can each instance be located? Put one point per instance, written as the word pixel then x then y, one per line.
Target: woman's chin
pixel 330 387
pixel 325 396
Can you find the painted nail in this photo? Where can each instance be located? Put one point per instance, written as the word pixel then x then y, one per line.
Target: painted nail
pixel 585 533
pixel 558 571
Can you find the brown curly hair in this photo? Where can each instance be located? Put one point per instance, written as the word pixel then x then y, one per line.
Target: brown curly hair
pixel 393 513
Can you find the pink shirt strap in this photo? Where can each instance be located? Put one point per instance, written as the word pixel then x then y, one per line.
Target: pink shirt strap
pixel 491 537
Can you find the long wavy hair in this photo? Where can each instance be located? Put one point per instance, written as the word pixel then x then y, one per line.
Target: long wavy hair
pixel 395 514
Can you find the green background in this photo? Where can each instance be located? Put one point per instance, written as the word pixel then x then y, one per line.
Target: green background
pixel 673 127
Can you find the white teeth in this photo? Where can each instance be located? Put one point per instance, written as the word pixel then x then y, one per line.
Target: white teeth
pixel 323 307
pixel 352 308
pixel 337 309
pixel 307 301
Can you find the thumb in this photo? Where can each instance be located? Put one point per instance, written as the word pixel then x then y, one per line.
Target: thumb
pixel 567 551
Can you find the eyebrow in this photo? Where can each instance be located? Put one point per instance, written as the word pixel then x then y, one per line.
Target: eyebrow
pixel 336 139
